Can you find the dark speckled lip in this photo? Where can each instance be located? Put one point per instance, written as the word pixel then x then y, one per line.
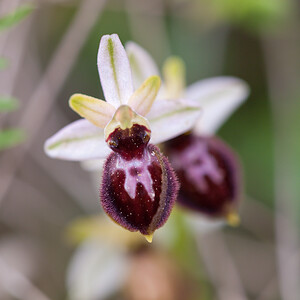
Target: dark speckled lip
pixel 129 142
pixel 143 202
pixel 209 173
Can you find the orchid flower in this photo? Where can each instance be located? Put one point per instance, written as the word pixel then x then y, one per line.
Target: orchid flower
pixel 139 187
pixel 207 168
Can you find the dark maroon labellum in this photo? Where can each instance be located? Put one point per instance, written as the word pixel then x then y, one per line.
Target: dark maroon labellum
pixel 129 142
pixel 208 173
pixel 139 187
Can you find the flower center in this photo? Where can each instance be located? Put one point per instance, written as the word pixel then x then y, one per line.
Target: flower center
pixel 130 142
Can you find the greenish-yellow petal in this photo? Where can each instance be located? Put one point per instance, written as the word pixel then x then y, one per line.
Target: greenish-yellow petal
pixel 95 110
pixel 142 99
pixel 174 77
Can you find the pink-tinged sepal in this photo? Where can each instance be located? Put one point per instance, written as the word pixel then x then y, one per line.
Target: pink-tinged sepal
pixel 139 193
pixel 209 175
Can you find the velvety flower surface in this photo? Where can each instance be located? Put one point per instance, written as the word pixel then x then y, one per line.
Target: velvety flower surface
pixel 209 174
pixel 207 168
pixel 139 187
pixel 140 194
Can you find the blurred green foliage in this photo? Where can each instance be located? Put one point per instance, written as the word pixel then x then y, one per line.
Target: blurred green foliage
pixel 8 104
pixel 253 14
pixel 15 17
pixel 11 137
pixel 3 63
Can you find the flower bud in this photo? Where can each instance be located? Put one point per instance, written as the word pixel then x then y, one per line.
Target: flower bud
pixel 139 187
pixel 208 173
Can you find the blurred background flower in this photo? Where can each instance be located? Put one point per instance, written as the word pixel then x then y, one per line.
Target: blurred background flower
pixel 50 54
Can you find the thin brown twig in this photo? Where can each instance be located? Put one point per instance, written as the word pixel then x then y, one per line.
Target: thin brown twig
pixel 17 285
pixel 221 267
pixel 12 46
pixel 281 75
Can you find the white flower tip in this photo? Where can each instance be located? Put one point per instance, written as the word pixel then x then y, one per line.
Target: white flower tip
pixel 106 37
pixel 235 85
pixel 78 141
pixel 219 97
pixel 132 45
pixel 50 148
pixel 114 70
pixel 108 40
pixel 47 147
pixel 141 62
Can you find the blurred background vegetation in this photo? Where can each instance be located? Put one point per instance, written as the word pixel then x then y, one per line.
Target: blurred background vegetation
pixel 48 51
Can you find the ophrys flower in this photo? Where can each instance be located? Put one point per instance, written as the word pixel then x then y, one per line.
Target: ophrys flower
pixel 208 170
pixel 139 186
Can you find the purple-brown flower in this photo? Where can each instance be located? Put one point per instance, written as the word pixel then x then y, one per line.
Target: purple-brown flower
pixel 139 187
pixel 209 173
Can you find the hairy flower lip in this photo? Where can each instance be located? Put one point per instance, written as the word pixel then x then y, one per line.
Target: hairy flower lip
pixel 194 197
pixel 127 212
pixel 129 142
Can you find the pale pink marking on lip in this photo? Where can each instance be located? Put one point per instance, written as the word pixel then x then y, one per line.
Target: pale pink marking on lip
pixel 196 172
pixel 143 176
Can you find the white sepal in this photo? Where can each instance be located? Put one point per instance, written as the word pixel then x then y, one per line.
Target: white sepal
pixel 141 62
pixel 77 141
pixel 218 97
pixel 170 118
pixel 114 70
